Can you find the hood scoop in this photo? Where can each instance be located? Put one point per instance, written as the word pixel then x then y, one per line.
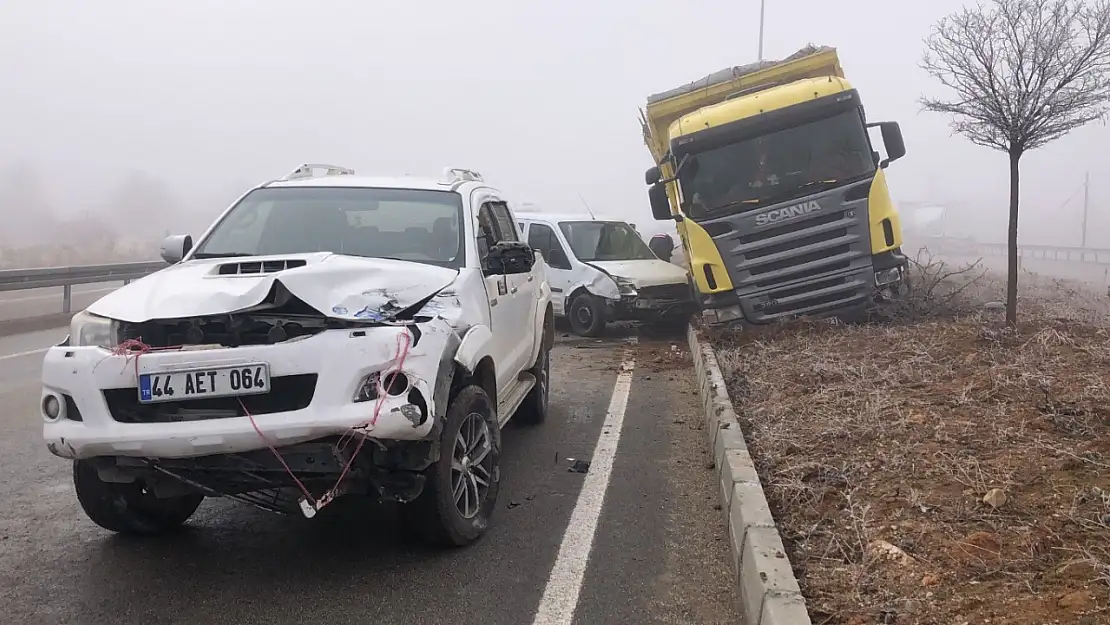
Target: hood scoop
pixel 258 267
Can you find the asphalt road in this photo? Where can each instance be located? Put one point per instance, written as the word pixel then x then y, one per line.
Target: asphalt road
pixel 657 553
pixel 36 302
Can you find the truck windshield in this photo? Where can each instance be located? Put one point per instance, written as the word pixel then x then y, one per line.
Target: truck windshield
pixel 604 240
pixel 403 224
pixel 778 166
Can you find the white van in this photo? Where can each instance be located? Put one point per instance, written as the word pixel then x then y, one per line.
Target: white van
pixel 600 270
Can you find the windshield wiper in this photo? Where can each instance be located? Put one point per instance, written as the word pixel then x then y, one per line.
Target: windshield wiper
pixel 203 255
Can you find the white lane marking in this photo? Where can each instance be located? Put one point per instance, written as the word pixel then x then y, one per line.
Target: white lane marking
pixel 57 296
pixel 22 354
pixel 560 597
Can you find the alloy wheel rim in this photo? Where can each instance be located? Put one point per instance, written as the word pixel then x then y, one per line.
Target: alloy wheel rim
pixel 471 465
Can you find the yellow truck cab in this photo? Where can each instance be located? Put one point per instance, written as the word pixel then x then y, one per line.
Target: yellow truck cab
pixel 780 200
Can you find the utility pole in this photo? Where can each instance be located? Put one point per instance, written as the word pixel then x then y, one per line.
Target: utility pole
pixel 1086 203
pixel 762 7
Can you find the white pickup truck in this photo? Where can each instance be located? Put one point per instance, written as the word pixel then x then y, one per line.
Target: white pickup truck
pixel 328 335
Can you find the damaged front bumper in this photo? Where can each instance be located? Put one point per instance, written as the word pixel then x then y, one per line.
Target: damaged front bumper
pixel 672 301
pixel 328 384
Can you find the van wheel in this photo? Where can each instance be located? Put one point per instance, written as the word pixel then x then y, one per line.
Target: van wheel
pixel 460 489
pixel 586 315
pixel 129 508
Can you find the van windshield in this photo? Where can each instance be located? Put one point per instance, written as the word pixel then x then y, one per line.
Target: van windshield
pixel 403 224
pixel 778 166
pixel 604 240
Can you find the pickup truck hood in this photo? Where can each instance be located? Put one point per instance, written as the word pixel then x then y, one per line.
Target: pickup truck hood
pixel 643 272
pixel 345 287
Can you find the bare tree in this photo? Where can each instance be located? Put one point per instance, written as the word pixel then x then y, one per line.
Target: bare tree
pixel 1023 73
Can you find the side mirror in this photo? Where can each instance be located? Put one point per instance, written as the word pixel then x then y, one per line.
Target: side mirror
pixel 660 205
pixel 892 140
pixel 652 175
pixel 662 245
pixel 175 247
pixel 510 257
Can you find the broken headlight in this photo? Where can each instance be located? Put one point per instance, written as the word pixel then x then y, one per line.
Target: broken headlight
pixel 89 330
pixel 889 276
pixel 394 383
pixel 625 286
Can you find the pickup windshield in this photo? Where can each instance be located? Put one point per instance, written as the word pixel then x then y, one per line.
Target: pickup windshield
pixel 604 240
pixel 403 224
pixel 778 166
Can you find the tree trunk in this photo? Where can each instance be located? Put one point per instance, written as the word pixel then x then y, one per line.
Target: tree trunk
pixel 1012 242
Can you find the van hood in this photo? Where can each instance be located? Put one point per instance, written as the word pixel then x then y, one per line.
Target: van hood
pixel 643 272
pixel 339 286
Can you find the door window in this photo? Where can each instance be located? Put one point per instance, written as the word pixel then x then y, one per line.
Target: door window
pixel 542 238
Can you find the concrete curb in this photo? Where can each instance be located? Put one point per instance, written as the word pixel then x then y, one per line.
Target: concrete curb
pixel 768 590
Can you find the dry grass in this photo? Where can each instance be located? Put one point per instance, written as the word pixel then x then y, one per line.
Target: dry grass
pixel 879 443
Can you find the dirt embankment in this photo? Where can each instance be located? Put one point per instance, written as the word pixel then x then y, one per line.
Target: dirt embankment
pixel 939 471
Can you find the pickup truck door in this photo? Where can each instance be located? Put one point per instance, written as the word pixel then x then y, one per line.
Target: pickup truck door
pixel 523 291
pixel 505 317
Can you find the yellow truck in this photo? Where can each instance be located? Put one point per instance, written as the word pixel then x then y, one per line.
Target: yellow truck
pixel 780 199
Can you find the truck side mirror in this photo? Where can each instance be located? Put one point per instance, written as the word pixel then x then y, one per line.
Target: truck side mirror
pixel 652 175
pixel 660 206
pixel 175 247
pixel 892 140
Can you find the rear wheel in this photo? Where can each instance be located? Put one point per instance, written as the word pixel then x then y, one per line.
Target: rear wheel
pixel 460 489
pixel 129 508
pixel 586 315
pixel 534 408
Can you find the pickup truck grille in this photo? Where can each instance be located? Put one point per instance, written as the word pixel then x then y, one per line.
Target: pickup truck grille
pixel 287 392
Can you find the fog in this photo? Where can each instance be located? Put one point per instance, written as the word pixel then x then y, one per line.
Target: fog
pixel 132 118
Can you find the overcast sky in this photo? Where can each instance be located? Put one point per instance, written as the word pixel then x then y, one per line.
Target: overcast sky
pixel 542 98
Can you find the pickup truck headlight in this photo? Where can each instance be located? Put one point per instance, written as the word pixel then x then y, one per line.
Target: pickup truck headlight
pixel 89 330
pixel 626 287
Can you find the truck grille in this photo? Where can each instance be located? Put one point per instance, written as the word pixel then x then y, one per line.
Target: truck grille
pixel 813 264
pixel 287 393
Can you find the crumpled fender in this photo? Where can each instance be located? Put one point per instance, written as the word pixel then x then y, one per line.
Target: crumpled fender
pixel 598 283
pixel 474 347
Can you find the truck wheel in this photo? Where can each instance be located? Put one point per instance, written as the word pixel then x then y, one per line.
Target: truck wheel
pixel 460 489
pixel 129 508
pixel 534 409
pixel 586 315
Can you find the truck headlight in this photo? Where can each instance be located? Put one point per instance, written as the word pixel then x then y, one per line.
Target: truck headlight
pixel 89 330
pixel 888 276
pixel 626 287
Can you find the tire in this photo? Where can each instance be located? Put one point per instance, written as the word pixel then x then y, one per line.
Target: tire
pixel 533 410
pixel 586 315
pixel 435 515
pixel 126 508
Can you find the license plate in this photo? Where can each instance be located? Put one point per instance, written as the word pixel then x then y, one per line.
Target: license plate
pixel 203 383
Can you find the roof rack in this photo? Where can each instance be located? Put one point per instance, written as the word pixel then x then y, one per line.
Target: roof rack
pixel 305 171
pixel 453 175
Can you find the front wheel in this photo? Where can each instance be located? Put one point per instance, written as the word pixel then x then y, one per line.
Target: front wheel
pixel 460 489
pixel 586 315
pixel 129 508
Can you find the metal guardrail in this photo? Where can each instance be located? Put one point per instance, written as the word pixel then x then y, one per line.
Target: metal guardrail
pixel 67 277
pixel 1060 253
